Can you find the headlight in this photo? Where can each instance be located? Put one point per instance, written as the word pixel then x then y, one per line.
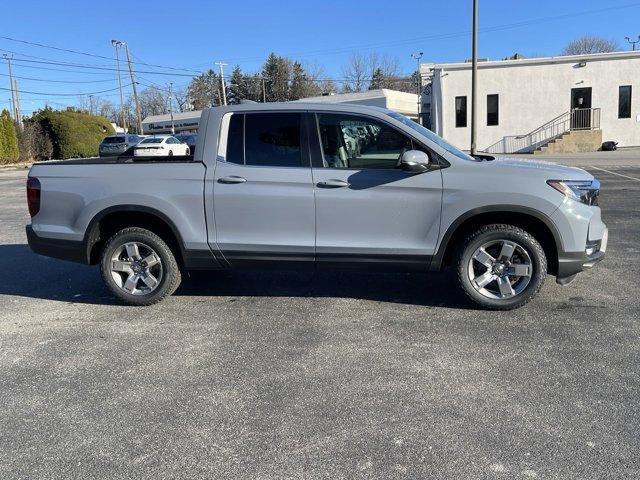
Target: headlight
pixel 585 191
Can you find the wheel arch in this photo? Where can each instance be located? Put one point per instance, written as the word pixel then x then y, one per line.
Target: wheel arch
pixel 533 221
pixel 114 218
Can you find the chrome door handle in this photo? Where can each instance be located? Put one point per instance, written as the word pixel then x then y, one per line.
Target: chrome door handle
pixel 232 179
pixel 333 183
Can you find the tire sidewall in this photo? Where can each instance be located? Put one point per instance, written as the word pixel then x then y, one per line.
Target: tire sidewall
pixel 533 248
pixel 170 275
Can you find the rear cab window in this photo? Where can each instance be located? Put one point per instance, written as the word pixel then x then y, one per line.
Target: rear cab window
pixel 269 139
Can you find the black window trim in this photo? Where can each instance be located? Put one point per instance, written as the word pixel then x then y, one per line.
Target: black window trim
pixel 620 113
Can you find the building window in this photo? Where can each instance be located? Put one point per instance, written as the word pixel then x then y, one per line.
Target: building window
pixel 492 110
pixel 461 112
pixel 624 101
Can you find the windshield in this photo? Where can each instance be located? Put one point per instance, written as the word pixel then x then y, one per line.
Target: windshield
pixel 425 132
pixel 113 140
pixel 152 140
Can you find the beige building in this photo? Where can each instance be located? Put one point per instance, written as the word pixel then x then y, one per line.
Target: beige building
pixel 401 102
pixel 525 103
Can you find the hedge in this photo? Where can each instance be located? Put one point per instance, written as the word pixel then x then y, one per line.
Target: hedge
pixel 73 133
pixel 8 139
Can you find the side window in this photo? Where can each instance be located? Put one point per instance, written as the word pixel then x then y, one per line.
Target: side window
pixel 349 141
pixel 624 101
pixel 461 112
pixel 272 139
pixel 492 110
pixel 235 139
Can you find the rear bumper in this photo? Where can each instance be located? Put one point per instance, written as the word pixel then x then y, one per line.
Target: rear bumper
pixel 69 250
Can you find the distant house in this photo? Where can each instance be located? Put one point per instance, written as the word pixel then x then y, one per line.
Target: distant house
pixel 570 102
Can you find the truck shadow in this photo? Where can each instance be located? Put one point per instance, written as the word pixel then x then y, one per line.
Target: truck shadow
pixel 26 274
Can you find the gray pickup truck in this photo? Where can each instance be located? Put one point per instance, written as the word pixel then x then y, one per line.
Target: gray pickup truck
pixel 285 184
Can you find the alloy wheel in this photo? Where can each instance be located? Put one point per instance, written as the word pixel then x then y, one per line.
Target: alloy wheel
pixel 136 268
pixel 500 269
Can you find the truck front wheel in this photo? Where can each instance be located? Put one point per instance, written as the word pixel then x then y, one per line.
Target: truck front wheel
pixel 501 267
pixel 138 267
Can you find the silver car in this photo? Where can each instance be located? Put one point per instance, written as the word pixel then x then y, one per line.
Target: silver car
pixel 114 145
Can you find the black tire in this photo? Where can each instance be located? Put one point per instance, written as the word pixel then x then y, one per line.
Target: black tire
pixel 169 281
pixel 527 244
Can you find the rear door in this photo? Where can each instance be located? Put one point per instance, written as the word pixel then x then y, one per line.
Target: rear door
pixel 263 192
pixel 368 211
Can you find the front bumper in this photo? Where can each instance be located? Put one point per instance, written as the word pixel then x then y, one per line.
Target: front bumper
pixel 572 263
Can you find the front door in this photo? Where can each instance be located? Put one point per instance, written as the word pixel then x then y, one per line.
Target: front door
pixel 368 211
pixel 581 108
pixel 263 193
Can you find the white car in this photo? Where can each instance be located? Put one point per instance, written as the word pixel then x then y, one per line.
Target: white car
pixel 160 146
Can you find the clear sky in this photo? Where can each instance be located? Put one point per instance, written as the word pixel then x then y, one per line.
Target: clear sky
pixel 190 35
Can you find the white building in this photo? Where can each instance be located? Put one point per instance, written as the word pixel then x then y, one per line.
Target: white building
pixel 183 122
pixel 535 96
pixel 401 102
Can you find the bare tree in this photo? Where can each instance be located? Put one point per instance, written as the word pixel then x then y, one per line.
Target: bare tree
pixel 590 44
pixel 181 96
pixel 356 73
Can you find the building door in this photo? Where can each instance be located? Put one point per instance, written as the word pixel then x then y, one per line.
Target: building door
pixel 581 108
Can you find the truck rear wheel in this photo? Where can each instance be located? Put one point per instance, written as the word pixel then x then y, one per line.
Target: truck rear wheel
pixel 501 267
pixel 138 267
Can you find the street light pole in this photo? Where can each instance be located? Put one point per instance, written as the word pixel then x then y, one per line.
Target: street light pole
pixel 115 44
pixel 417 57
pixel 474 78
pixel 633 42
pixel 224 91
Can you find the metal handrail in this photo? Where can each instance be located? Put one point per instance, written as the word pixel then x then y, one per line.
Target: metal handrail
pixel 575 119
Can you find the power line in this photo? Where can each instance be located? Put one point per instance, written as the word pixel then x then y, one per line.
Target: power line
pixel 58 81
pixel 87 54
pixel 64 94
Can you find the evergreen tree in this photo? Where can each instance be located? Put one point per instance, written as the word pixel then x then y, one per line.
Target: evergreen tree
pixel 299 82
pixel 236 88
pixel 205 90
pixel 8 139
pixel 276 72
pixel 377 80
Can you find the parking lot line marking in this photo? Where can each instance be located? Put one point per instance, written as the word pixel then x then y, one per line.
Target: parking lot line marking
pixel 618 174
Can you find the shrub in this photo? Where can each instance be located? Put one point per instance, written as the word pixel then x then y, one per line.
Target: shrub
pixel 73 133
pixel 8 139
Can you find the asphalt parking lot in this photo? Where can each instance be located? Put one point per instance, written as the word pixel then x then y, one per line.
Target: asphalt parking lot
pixel 295 375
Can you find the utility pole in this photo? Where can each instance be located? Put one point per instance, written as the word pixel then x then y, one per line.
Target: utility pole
pixel 264 90
pixel 224 91
pixel 474 78
pixel 173 128
pixel 417 57
pixel 90 104
pixel 15 97
pixel 135 90
pixel 633 42
pixel 116 44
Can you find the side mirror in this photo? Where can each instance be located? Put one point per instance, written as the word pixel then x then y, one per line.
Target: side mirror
pixel 414 161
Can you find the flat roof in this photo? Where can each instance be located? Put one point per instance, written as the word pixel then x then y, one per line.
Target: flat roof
pixel 521 62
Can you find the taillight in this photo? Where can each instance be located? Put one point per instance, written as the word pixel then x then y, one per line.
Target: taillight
pixel 33 195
